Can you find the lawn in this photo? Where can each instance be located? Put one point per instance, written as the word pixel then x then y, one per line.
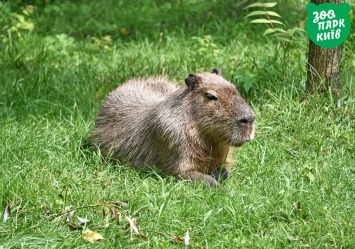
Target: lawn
pixel 293 186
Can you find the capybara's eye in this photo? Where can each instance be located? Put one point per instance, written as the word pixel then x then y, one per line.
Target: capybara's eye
pixel 211 96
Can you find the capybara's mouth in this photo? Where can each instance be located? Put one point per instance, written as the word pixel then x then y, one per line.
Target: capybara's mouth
pixel 238 143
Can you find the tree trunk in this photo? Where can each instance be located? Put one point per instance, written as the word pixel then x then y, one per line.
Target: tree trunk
pixel 323 68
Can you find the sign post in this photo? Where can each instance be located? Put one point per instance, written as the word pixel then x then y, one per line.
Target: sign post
pixel 328 24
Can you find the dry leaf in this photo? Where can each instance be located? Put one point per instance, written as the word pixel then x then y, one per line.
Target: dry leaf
pixel 91 236
pixel 115 214
pixel 75 225
pixel 7 211
pixel 298 205
pixel 187 239
pixel 46 211
pixel 104 211
pixel 70 215
pixel 83 221
pixel 132 225
pixel 120 203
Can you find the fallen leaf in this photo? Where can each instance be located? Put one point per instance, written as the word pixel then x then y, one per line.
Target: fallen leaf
pixel 104 211
pixel 7 211
pixel 299 205
pixel 115 214
pixel 70 215
pixel 75 225
pixel 120 203
pixel 187 239
pixel 132 225
pixel 91 236
pixel 176 239
pixel 46 211
pixel 83 221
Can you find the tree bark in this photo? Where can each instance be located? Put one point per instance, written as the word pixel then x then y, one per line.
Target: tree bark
pixel 323 67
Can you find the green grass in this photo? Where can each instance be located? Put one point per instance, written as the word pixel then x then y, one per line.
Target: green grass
pixel 292 187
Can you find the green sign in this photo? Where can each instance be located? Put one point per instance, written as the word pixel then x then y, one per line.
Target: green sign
pixel 328 24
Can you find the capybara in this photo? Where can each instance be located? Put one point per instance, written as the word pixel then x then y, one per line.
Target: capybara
pixel 187 132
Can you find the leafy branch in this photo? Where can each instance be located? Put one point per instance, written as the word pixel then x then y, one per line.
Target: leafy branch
pixel 277 27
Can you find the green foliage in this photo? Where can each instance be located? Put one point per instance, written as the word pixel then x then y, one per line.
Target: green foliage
pixel 206 46
pixel 277 30
pixel 291 187
pixel 267 14
pixel 15 25
pixel 288 39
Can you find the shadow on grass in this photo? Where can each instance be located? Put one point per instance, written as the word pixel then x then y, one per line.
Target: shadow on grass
pixel 148 18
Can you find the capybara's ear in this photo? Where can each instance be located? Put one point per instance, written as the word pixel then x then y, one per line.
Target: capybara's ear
pixel 192 81
pixel 216 71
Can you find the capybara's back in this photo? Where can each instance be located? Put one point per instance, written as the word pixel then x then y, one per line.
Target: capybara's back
pixel 185 132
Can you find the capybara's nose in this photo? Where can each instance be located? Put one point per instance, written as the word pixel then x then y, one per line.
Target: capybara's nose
pixel 249 120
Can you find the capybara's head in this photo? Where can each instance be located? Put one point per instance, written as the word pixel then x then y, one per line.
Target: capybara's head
pixel 220 112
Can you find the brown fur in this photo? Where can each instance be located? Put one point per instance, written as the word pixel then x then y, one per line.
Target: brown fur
pixel 185 132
